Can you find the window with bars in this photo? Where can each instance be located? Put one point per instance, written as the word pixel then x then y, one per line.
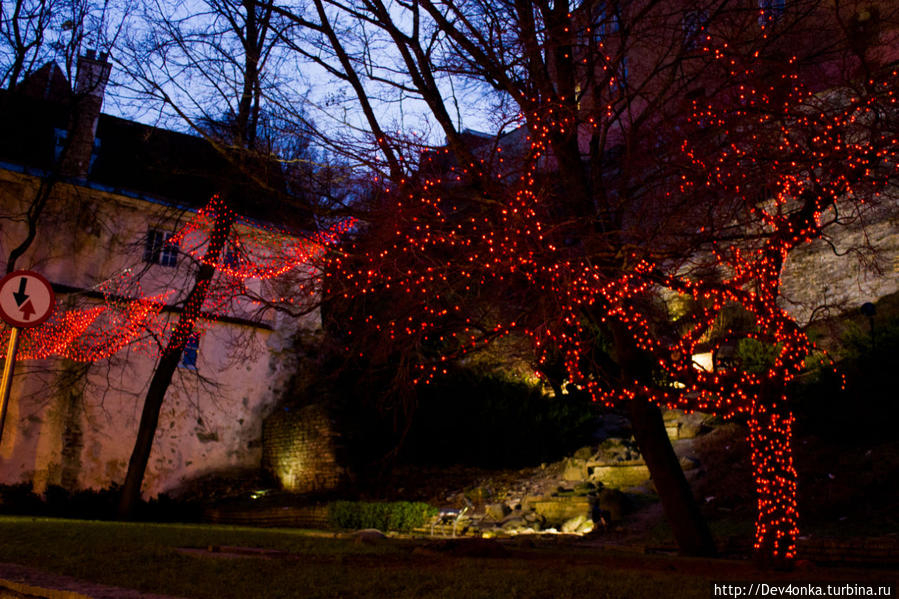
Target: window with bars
pixel 771 10
pixel 191 348
pixel 694 22
pixel 160 249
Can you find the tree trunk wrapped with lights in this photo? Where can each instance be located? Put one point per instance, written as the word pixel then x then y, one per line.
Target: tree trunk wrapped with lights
pixel 516 258
pixel 224 218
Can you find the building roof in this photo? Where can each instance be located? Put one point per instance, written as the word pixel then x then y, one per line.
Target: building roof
pixel 137 159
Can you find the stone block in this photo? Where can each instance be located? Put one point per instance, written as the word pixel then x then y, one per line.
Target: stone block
pixel 558 510
pixel 620 476
pixel 575 470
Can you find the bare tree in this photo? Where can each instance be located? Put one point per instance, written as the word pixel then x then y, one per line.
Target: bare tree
pixel 610 95
pixel 216 70
pixel 24 27
pixel 37 34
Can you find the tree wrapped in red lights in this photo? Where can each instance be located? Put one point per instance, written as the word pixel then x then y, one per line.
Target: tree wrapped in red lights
pixel 794 161
pixel 125 316
pixel 240 267
pixel 633 199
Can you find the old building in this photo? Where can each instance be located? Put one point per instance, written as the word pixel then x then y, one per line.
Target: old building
pixel 106 197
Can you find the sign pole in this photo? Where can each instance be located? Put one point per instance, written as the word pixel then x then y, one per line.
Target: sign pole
pixel 26 300
pixel 6 382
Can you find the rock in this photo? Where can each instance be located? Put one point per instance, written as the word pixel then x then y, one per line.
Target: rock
pixel 572 525
pixel 368 536
pixel 613 502
pixel 575 469
pixel 681 425
pixel 557 510
pixel 584 488
pixel 535 520
pixel 478 495
pixel 616 451
pixel 584 453
pixel 497 511
pixel 586 527
pixel 515 523
pixel 529 502
pixel 621 476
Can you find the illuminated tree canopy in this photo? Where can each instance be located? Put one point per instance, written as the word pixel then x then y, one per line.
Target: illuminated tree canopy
pixel 127 317
pixel 499 245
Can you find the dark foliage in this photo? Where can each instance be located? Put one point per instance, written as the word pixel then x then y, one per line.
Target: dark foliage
pixel 90 504
pixel 865 410
pixel 479 419
pixel 401 516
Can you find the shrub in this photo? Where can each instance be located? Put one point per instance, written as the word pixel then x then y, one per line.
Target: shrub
pixel 862 408
pixel 478 419
pixel 19 499
pixel 756 357
pixel 400 516
pixel 90 504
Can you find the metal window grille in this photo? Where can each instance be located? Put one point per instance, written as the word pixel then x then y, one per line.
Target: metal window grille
pixel 189 355
pixel 159 249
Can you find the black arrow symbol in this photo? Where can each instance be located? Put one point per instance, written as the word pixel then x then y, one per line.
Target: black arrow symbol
pixel 20 294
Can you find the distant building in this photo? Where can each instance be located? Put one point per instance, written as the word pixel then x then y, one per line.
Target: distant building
pixel 116 192
pixel 630 54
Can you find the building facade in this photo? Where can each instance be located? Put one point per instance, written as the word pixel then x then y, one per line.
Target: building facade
pixel 109 197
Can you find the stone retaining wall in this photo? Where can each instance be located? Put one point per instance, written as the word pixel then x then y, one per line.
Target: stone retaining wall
pixel 306 516
pixel 300 448
pixel 859 264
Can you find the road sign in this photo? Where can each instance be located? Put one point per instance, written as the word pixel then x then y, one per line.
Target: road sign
pixel 26 299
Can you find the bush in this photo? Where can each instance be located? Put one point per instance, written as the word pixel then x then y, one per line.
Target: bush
pixel 756 357
pixel 19 499
pixel 863 407
pixel 484 420
pixel 90 504
pixel 400 516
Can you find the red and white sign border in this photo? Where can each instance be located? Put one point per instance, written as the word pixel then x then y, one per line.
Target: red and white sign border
pixel 16 322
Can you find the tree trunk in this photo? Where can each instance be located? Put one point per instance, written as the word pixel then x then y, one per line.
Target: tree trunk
pixel 776 480
pixel 690 529
pixel 168 362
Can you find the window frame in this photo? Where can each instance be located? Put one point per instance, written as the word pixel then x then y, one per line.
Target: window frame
pixel 694 22
pixel 159 248
pixel 190 352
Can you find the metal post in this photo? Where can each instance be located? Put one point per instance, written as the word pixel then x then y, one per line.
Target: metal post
pixel 6 382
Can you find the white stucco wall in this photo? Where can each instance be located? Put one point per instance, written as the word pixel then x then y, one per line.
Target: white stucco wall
pixel 857 263
pixel 81 435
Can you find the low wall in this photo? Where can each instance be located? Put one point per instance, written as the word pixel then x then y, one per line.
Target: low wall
pixel 299 447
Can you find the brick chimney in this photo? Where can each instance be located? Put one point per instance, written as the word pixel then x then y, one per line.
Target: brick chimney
pixel 90 83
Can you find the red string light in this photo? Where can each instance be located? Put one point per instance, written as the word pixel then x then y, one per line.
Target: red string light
pixel 125 317
pixel 438 258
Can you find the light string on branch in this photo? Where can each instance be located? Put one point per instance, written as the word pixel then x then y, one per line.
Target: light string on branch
pixel 783 157
pixel 124 316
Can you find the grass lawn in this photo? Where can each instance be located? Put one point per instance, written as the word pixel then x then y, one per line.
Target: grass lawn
pixel 147 557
